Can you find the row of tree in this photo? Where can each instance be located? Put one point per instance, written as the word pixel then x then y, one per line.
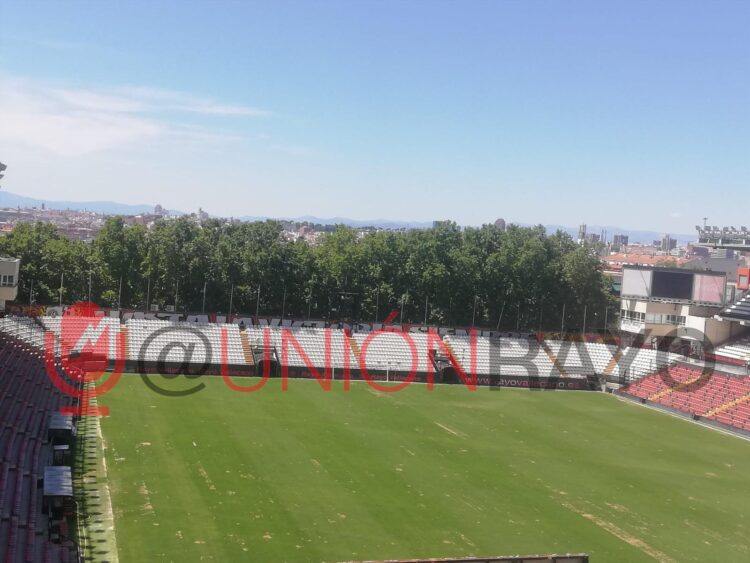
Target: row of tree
pixel 516 278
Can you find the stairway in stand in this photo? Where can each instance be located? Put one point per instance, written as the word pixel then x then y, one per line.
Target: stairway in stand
pixel 124 332
pixel 553 359
pixel 249 359
pixel 726 406
pixel 354 345
pixel 675 387
pixel 452 353
pixel 613 363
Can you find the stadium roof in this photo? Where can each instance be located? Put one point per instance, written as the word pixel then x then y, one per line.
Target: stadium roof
pixel 726 237
pixel 737 312
pixel 58 481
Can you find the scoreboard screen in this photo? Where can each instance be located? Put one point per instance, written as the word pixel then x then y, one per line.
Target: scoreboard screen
pixel 709 288
pixel 636 282
pixel 672 285
pixel 669 284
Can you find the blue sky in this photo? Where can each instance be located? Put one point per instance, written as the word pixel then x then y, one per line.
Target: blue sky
pixel 625 113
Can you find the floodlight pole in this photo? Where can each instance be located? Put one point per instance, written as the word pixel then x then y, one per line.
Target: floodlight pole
pixel 231 296
pixel 500 318
pixel 585 310
pixel 148 293
pixel 62 278
pixel 377 303
pixel 257 305
pixel 562 322
pixel 203 307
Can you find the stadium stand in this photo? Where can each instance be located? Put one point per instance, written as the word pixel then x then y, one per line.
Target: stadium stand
pixel 504 356
pixel 657 385
pixel 388 351
pixel 23 328
pixel 736 352
pixel 312 341
pixel 27 400
pixel 170 341
pixel 86 327
pixel 174 342
pixel 733 413
pixel 585 358
pixel 714 396
pixel 636 363
pixel 621 365
pixel 739 311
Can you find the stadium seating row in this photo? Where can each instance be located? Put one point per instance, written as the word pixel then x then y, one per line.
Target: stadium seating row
pixel 713 395
pixel 739 311
pixel 199 343
pixel 72 339
pixel 23 328
pixel 27 397
pixel 311 340
pixel 739 350
pixel 506 356
pixel 584 358
pixel 154 340
pixel 393 351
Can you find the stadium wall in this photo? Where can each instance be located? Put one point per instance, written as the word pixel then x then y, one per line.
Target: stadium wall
pixel 174 368
pixel 446 376
pixel 523 382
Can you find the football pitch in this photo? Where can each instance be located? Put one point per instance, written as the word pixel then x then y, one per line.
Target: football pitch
pixel 310 475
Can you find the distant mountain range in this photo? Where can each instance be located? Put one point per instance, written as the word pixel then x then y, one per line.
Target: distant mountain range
pixel 381 223
pixel 8 199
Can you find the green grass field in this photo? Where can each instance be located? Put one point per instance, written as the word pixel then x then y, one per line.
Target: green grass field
pixel 308 475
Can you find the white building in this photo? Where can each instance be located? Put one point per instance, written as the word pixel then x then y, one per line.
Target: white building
pixel 678 305
pixel 9 268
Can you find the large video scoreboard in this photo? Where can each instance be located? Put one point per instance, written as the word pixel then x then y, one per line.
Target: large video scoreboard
pixel 674 285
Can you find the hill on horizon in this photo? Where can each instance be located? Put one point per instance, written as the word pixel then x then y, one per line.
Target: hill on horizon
pixel 9 199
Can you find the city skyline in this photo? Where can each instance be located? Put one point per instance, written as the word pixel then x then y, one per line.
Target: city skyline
pixel 541 112
pixel 10 201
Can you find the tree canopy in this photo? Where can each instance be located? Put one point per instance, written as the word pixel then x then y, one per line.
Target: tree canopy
pixel 515 278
